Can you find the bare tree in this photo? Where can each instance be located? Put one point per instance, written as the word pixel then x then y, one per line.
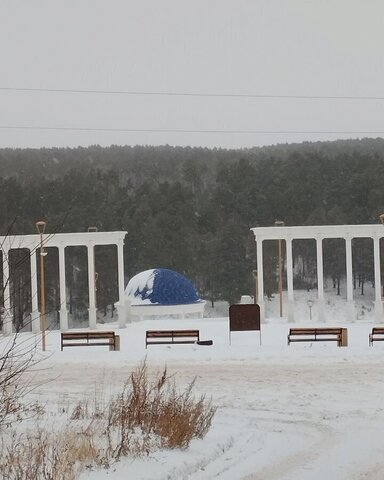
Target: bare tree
pixel 17 357
pixel 18 353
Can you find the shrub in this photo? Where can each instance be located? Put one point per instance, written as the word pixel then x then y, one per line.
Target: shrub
pixel 160 411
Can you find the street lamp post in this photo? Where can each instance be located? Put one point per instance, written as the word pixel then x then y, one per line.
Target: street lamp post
pixel 280 224
pixel 41 229
pixel 310 305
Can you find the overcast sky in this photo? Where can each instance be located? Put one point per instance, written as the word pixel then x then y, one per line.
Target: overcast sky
pixel 235 47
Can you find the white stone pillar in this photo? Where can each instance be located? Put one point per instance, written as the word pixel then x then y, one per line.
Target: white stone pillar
pixel 63 290
pixel 91 286
pixel 7 315
pixel 120 276
pixel 35 314
pixel 350 310
pixel 260 279
pixel 377 270
pixel 291 300
pixel 320 279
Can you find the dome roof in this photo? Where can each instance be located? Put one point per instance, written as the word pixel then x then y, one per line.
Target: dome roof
pixel 161 286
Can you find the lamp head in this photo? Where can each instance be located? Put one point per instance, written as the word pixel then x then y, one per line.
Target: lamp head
pixel 40 225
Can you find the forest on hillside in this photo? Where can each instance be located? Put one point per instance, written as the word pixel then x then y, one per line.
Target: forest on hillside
pixel 191 209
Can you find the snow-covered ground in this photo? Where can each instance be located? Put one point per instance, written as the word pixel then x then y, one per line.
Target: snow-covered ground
pixel 298 412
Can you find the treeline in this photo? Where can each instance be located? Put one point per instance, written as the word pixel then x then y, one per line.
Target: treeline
pixel 190 209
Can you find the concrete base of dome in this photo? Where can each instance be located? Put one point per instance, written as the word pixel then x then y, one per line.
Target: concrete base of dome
pixel 142 312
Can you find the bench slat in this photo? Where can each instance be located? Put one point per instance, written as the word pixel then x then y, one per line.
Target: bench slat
pixel 77 344
pixel 87 334
pixel 315 331
pixel 326 339
pixel 167 343
pixel 302 331
pixel 169 333
pixel 377 331
pixel 75 337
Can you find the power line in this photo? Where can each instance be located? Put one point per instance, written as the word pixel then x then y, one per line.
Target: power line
pixel 192 94
pixel 172 130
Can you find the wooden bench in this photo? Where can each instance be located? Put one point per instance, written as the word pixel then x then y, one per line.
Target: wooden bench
pixel 167 337
pixel 88 339
pixel 339 335
pixel 377 335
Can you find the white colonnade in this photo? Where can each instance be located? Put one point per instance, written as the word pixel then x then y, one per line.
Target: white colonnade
pixel 61 241
pixel 319 233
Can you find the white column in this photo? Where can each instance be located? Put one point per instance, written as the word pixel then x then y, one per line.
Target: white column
pixel 260 279
pixel 7 316
pixel 63 290
pixel 120 276
pixel 91 286
pixel 291 300
pixel 320 279
pixel 350 310
pixel 377 270
pixel 35 314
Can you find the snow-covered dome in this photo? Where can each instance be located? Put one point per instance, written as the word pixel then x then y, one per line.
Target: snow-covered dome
pixel 161 286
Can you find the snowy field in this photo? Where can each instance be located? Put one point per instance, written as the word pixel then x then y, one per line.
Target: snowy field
pixel 298 412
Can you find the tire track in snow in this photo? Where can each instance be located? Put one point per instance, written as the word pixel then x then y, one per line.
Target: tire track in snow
pixel 264 435
pixel 350 454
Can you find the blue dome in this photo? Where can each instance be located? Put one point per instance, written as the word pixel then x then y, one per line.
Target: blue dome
pixel 161 286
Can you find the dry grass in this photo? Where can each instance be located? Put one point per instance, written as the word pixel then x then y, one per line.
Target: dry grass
pixel 146 415
pixel 49 455
pixel 159 411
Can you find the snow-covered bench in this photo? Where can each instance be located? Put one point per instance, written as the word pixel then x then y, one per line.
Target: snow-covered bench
pixel 88 339
pixel 158 337
pixel 339 335
pixel 376 335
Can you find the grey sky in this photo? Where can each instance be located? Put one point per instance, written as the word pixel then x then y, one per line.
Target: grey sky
pixel 261 47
